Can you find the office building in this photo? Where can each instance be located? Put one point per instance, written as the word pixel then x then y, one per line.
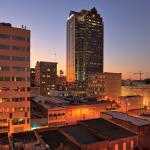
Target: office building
pixel 46 77
pixel 14 78
pixel 104 85
pixel 32 77
pixel 140 89
pixel 84 46
pixel 130 102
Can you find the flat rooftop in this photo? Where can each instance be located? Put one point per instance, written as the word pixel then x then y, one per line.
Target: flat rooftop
pixel 4 139
pixel 107 129
pixel 81 134
pixel 130 96
pixel 125 117
pixel 60 102
pixel 25 137
pixel 55 139
pixel 9 25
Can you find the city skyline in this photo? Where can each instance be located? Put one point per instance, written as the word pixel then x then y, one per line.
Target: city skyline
pixel 126 31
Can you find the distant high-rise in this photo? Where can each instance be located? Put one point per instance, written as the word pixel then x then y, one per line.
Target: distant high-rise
pixel 46 77
pixel 14 78
pixel 32 77
pixel 84 44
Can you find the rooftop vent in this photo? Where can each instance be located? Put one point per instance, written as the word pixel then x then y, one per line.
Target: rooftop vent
pixel 5 24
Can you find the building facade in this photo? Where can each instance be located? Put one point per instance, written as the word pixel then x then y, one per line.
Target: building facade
pixel 135 124
pixel 32 77
pixel 132 102
pixel 104 85
pixel 14 78
pixel 60 112
pixel 142 90
pixel 46 77
pixel 84 45
pixel 92 134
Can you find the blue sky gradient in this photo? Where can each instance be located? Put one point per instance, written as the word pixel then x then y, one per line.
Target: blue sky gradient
pixel 126 23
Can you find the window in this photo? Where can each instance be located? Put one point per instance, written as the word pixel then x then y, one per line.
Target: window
pixel 132 145
pixel 124 145
pixel 18 99
pixel 28 58
pixel 28 69
pixel 4 57
pixel 18 48
pixel 17 58
pixel 116 147
pixel 19 109
pixel 28 79
pixel 10 115
pixel 18 79
pixel 4 89
pixel 4 78
pixel 4 128
pixel 18 38
pixel 18 68
pixel 4 100
pixel 4 36
pixel 18 121
pixel 28 39
pixel 28 88
pixel 18 89
pixel 4 47
pixel 28 49
pixel 4 68
pixel 3 120
pixel 28 121
pixel 26 114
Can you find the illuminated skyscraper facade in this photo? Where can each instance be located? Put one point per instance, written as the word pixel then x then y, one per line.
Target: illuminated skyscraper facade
pixel 84 44
pixel 14 78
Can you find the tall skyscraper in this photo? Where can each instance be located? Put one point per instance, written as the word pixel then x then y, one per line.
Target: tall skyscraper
pixel 14 78
pixel 46 77
pixel 84 44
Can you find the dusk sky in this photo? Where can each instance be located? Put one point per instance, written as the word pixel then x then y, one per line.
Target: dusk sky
pixel 126 30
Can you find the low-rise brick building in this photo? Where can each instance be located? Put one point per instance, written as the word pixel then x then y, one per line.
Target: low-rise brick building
pixel 60 111
pixel 130 102
pixel 137 125
pixel 94 134
pixel 104 85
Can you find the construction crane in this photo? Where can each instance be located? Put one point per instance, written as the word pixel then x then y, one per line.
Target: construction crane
pixel 140 75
